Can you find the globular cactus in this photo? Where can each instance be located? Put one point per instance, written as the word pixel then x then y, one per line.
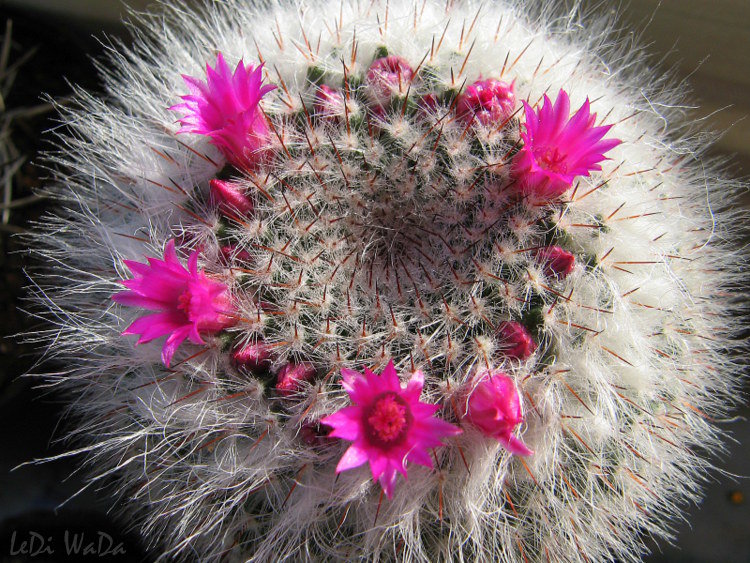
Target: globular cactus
pixel 435 281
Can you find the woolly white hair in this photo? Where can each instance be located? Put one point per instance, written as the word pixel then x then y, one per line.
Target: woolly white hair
pixel 635 359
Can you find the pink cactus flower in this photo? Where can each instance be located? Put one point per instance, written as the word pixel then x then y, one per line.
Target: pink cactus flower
pixel 516 340
pixel 558 148
pixel 230 198
pixel 226 108
pixel 388 425
pixel 557 262
pixel 494 407
pixel 329 103
pixel 389 76
pixel 253 356
pixel 188 302
pixel 490 102
pixel 290 377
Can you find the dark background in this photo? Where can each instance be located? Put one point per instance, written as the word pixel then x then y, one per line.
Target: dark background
pixel 49 42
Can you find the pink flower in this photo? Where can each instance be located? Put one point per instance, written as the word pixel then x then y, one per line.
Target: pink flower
pixel 516 340
pixel 557 263
pixel 230 198
pixel 290 377
pixel 388 425
pixel 329 103
pixel 253 356
pixel 490 102
pixel 225 108
pixel 494 407
pixel 188 303
pixel 558 148
pixel 389 76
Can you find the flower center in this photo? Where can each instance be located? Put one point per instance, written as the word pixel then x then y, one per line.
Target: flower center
pixel 183 301
pixel 388 419
pixel 553 160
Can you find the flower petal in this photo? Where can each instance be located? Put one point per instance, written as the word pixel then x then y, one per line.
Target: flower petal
pixel 420 457
pixel 389 380
pixel 388 481
pixel 414 387
pixel 378 465
pixel 353 457
pixel 153 326
pixel 346 423
pixel 172 343
pixel 357 385
pixel 515 446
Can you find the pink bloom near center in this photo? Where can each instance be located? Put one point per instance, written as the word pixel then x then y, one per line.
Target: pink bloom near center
pixel 226 108
pixel 387 425
pixel 188 303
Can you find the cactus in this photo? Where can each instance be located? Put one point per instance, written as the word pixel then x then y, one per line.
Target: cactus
pixel 495 205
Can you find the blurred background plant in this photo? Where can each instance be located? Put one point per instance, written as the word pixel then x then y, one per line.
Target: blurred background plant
pixel 46 44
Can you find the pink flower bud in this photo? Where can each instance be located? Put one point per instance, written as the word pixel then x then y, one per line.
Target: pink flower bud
pixel 329 102
pixel 379 114
pixel 428 104
pixel 231 254
pixel 315 434
pixel 494 407
pixel 389 76
pixel 290 377
pixel 254 356
pixel 489 101
pixel 230 198
pixel 557 263
pixel 516 340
